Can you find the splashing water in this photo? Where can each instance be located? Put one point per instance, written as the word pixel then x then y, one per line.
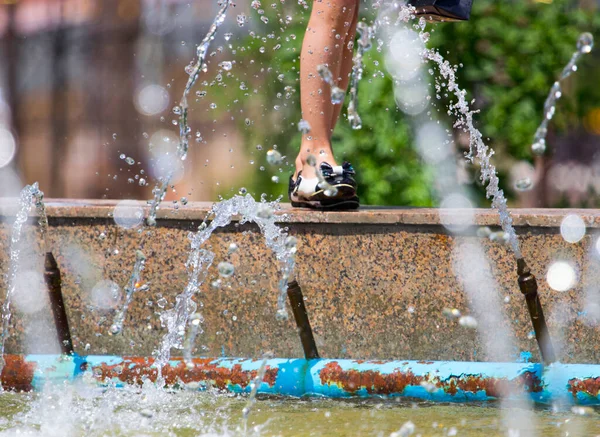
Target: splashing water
pixel 255 384
pixel 196 320
pixel 160 189
pixel 29 195
pixel 193 71
pixel 133 285
pixel 478 150
pixel 337 94
pixel 585 43
pixel 222 213
pixel 365 34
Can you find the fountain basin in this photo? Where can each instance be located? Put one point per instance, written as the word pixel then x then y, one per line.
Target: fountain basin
pixel 440 381
pixel 375 281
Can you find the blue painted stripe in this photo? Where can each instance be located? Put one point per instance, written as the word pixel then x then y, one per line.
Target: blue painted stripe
pixel 299 377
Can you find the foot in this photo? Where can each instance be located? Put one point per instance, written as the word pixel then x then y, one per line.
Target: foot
pixel 333 188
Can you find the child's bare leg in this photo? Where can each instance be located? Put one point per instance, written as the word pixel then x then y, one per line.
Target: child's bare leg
pixel 346 67
pixel 320 46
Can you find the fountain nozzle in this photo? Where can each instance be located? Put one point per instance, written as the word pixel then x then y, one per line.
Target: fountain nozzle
pixel 529 288
pixel 53 281
pixel 309 346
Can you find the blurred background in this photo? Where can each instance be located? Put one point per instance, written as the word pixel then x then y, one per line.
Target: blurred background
pixel 87 90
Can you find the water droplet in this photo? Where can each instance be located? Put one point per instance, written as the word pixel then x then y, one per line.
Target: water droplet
pixel 281 315
pixel 337 95
pixel 114 136
pixel 275 179
pixel 226 269
pixel 264 19
pixel 325 74
pixel 274 157
pixel 264 211
pixel 122 156
pixel 585 43
pixel 243 191
pixel 355 121
pixel 177 110
pixel 213 106
pixel 291 243
pixel 523 184
pixel 304 126
pixel 232 247
pixel 451 313
pixel 228 36
pixel 468 322
pixel 539 147
pixel 226 65
pixel 130 160
pixel 311 160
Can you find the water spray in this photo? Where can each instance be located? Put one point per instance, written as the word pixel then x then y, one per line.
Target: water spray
pixel 585 43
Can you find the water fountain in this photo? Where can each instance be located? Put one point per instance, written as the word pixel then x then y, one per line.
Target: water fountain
pixel 445 380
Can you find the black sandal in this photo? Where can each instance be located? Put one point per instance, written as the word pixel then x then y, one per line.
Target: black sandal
pixel 334 190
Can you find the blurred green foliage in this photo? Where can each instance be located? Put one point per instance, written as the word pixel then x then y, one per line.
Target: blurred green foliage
pixel 510 51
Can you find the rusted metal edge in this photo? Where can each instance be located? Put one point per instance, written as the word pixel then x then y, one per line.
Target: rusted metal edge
pixel 443 381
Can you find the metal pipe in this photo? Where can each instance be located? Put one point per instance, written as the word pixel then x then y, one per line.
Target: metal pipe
pixel 529 287
pixel 294 293
pixel 53 281
pixel 441 381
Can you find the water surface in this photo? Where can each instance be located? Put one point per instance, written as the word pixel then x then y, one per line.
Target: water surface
pixel 81 411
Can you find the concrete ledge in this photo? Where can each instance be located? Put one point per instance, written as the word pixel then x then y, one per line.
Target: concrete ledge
pixel 194 211
pixel 375 282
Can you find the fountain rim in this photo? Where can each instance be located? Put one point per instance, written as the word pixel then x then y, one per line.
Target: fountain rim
pixel 376 215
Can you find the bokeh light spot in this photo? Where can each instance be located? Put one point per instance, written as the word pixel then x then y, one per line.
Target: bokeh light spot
pixel 561 276
pixel 572 228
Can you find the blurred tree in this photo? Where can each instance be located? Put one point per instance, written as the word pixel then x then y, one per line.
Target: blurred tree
pixel 511 53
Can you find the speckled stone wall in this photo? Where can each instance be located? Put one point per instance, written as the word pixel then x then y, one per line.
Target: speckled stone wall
pixel 375 282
